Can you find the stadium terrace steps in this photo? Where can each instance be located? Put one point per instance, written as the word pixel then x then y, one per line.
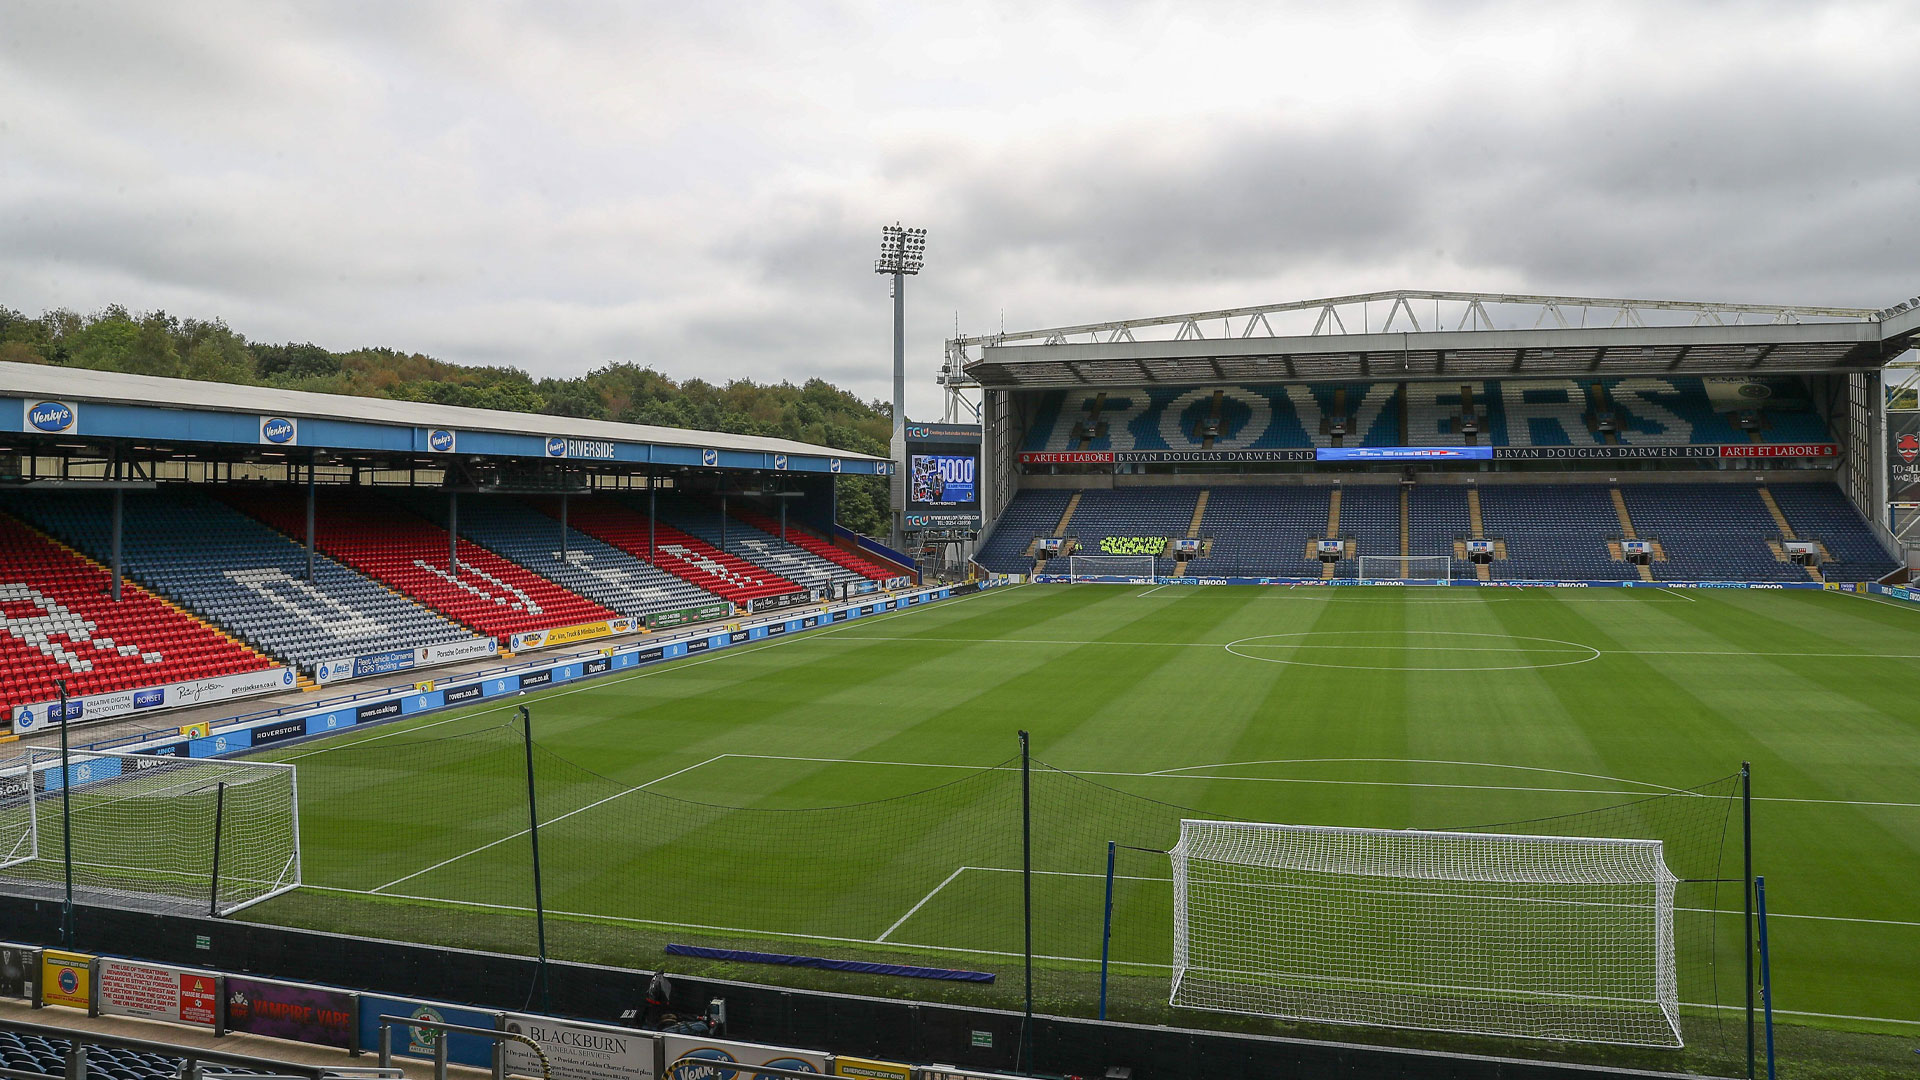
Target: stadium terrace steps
pixel 239 575
pixel 530 536
pixel 381 539
pixel 1822 512
pixel 685 556
pixel 800 537
pixel 62 623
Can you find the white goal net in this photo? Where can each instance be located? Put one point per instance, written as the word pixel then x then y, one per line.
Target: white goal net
pixel 149 832
pixel 1406 568
pixel 1131 567
pixel 1542 937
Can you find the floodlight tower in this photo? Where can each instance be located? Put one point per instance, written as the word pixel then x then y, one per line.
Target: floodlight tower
pixel 902 252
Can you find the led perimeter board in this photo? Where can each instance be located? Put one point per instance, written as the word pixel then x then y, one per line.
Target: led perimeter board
pixel 943 476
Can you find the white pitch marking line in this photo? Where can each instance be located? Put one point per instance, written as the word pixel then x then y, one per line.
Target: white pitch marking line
pixel 600 684
pixel 547 823
pixel 1151 591
pixel 1224 644
pixel 1168 775
pixel 897 923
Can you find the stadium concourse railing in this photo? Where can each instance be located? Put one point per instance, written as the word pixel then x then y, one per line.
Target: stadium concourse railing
pixel 354 1022
pixel 336 713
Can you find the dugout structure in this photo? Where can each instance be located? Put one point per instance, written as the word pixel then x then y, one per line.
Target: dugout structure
pixel 148 832
pixel 1538 937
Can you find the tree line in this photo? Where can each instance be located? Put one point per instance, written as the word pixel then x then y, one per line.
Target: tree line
pixel 157 343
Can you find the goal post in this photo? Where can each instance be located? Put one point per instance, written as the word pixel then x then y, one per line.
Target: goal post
pixel 1406 568
pixel 149 832
pixel 1538 937
pixel 1133 568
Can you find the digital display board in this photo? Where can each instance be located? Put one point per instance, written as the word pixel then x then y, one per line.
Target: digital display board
pixel 942 476
pixel 943 479
pixel 1403 453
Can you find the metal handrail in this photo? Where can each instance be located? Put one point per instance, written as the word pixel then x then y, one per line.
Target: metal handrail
pixel 78 1041
pixel 499 1036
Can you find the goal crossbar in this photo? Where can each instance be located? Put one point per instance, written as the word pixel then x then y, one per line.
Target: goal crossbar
pixel 1096 567
pixel 1550 937
pixel 1406 567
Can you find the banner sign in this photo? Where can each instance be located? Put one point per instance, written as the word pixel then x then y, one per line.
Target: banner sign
pixel 279 1010
pixel 1903 456
pixel 1637 547
pixel 418 1042
pixel 870 1069
pixel 168 696
pixel 448 652
pixel 770 603
pixel 1479 547
pixel 150 992
pixel 661 620
pixel 723 1052
pixel 579 1051
pixel 1432 453
pixel 1403 453
pixel 571 635
pixel 1330 547
pixel 66 978
pixel 19 964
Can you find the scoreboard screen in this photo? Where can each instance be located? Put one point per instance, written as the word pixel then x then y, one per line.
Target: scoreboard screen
pixel 943 479
pixel 942 476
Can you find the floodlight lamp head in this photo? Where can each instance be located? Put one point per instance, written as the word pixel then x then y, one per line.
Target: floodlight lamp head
pixel 902 250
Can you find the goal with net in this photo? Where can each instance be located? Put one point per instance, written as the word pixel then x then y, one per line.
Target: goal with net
pixel 1132 568
pixel 1544 937
pixel 149 832
pixel 1406 568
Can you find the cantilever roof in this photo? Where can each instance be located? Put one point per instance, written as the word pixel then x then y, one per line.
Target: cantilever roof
pixel 33 380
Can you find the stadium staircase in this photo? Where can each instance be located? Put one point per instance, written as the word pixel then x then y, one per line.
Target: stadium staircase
pixel 1786 533
pixel 62 623
pixel 1850 550
pixel 683 555
pixel 1066 514
pixel 1009 548
pixel 1329 569
pixel 239 575
pixel 1478 527
pixel 800 537
pixel 1626 532
pixel 528 533
pixel 382 540
pixel 1708 532
pixel 1193 528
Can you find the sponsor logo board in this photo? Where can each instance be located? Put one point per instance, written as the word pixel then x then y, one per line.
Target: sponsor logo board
pixel 279 431
pixel 577 1051
pixel 52 417
pixel 278 1010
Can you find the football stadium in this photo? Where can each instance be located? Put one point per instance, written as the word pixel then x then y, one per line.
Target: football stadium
pixel 1411 684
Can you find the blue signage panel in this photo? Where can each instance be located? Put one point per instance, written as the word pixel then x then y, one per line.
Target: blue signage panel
pixel 1403 453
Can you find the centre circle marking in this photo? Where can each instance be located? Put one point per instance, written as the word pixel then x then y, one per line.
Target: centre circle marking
pixel 1590 653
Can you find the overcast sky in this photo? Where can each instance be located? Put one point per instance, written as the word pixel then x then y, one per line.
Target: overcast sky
pixel 699 187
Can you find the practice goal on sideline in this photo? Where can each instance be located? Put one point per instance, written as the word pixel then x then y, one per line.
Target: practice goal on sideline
pixel 1131 567
pixel 149 832
pixel 1538 937
pixel 1406 568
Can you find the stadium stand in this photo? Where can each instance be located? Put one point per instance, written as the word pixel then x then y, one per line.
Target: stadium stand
pixel 1708 531
pixel 807 541
pixel 240 575
pixel 1262 531
pixel 62 623
pixel 1821 512
pixel 1638 411
pixel 590 568
pixel 1437 517
pixel 1135 513
pixel 1370 517
pixel 754 544
pixel 686 556
pixel 382 540
pixel 27 1052
pixel 1557 532
pixel 1031 514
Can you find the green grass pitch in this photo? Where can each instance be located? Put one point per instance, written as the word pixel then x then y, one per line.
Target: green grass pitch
pixel 1431 708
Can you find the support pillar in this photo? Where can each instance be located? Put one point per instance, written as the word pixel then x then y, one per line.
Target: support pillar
pixel 563 526
pixel 723 523
pixel 310 501
pixel 119 515
pixel 653 508
pixel 453 533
